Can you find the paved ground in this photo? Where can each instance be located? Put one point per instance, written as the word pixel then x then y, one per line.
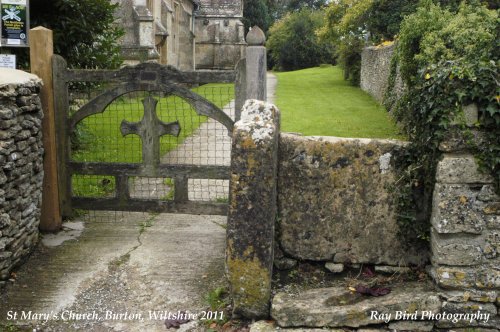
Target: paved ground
pixel 122 269
pixel 134 265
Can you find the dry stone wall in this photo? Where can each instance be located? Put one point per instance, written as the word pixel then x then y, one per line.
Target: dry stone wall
pixel 375 72
pixel 335 201
pixel 21 166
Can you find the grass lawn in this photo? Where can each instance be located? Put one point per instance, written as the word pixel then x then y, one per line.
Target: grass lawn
pixel 318 101
pixel 101 139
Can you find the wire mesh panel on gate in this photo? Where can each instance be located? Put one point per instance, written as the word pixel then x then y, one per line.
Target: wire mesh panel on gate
pixel 201 141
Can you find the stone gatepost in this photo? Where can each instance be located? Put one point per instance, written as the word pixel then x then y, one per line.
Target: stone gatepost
pixel 252 70
pixel 465 234
pixel 252 209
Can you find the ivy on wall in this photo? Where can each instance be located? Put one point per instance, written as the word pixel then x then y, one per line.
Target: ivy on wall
pixel 448 60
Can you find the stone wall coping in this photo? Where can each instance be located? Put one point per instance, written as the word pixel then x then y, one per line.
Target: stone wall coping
pixel 10 76
pixel 378 47
pixel 333 139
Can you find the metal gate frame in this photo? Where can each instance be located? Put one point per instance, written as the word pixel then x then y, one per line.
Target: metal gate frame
pixel 144 77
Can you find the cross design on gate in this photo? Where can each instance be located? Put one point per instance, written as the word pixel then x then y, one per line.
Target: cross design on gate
pixel 150 129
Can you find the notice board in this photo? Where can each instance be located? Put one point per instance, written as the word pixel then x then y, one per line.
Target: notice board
pixel 14 23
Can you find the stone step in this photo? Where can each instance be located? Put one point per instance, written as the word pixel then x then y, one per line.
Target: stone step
pixel 339 307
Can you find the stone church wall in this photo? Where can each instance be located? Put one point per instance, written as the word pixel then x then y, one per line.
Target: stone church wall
pixel 182 33
pixel 220 34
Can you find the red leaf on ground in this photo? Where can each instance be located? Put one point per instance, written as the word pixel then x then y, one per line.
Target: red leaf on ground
pixel 368 272
pixel 372 291
pixel 176 323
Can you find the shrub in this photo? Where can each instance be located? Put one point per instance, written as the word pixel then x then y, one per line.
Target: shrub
pixel 448 60
pixel 293 43
pixel 84 31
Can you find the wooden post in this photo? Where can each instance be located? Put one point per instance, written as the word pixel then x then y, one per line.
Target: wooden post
pixel 41 51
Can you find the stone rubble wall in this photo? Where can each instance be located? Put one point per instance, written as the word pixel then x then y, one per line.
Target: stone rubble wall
pixel 465 234
pixel 21 166
pixel 375 71
pixel 335 202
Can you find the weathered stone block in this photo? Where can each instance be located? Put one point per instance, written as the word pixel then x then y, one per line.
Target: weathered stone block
pixel 474 314
pixel 476 329
pixel 456 210
pixel 492 208
pixel 334 268
pixel 469 295
pixel 252 210
pixel 481 277
pixel 411 326
pixel 461 170
pixel 392 269
pixel 458 140
pixel 493 222
pixel 338 307
pixel 6 114
pixel 457 250
pixel 335 201
pixel 488 194
pixel 468 116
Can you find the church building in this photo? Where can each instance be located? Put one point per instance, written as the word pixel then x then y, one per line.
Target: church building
pixel 186 34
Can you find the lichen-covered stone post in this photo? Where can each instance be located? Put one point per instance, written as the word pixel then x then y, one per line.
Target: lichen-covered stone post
pixel 465 234
pixel 251 80
pixel 252 210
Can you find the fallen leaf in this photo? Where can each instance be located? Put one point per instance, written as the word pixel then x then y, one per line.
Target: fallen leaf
pixel 373 291
pixel 176 323
pixel 368 272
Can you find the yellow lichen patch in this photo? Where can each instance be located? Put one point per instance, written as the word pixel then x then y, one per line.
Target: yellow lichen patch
pixel 412 307
pixel 250 280
pixel 460 275
pixel 355 315
pixel 248 143
pixel 251 165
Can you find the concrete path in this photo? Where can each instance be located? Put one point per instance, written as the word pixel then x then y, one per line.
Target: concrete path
pixel 134 266
pixel 125 272
pixel 272 82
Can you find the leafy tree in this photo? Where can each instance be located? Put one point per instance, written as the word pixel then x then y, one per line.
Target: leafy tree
pixel 293 43
pixel 277 8
pixel 385 16
pixel 345 26
pixel 256 12
pixel 84 30
pixel 294 5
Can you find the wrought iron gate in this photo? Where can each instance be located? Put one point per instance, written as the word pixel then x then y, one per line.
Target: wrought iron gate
pixel 152 146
